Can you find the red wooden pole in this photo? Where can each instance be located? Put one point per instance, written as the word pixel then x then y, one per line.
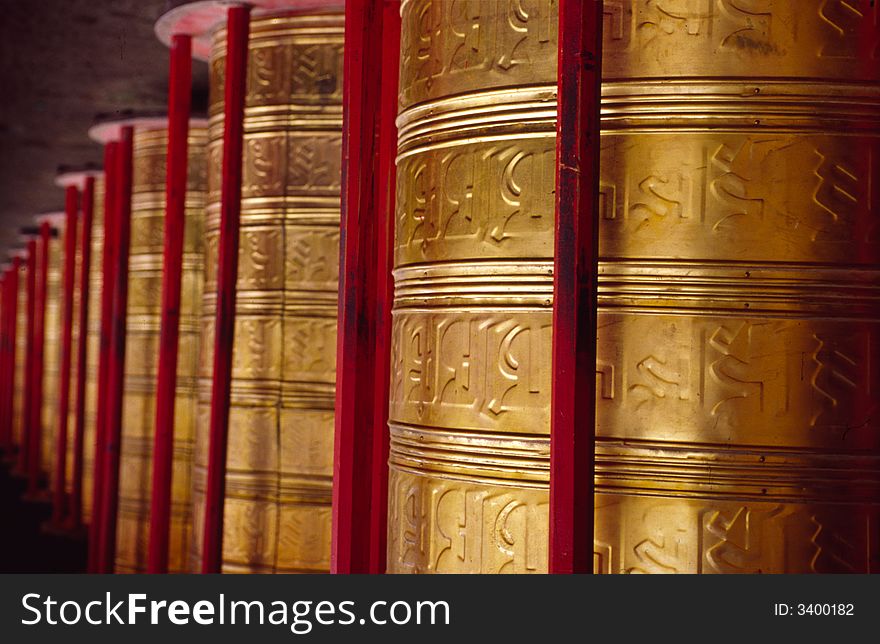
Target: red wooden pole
pixel 13 348
pixel 11 311
pixel 10 317
pixel 387 177
pixel 116 354
pixel 4 355
pixel 111 152
pixel 36 425
pixel 71 205
pixel 9 280
pixel 238 24
pixel 573 399
pixel 5 434
pixel 76 491
pixel 31 285
pixel 13 345
pixel 14 312
pixel 180 89
pixel 360 483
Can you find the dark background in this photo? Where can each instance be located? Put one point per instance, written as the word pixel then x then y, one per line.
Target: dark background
pixel 61 63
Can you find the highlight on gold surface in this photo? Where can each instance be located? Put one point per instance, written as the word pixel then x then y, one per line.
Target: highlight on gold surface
pixel 278 483
pixel 93 348
pixel 51 354
pixel 93 331
pixel 74 340
pixel 142 340
pixel 737 425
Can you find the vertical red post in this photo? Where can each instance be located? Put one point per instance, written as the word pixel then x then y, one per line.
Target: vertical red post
pixel 4 355
pixel 5 434
pixel 13 346
pixel 71 206
pixel 35 465
pixel 386 172
pixel 8 374
pixel 10 314
pixel 13 351
pixel 30 313
pixel 573 398
pixel 12 354
pixel 360 483
pixel 179 92
pixel 238 25
pixel 79 413
pixel 111 152
pixel 116 354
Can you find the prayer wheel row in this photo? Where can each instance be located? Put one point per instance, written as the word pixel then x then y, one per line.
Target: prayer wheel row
pixel 738 284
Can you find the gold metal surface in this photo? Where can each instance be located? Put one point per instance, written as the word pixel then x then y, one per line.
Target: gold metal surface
pixel 74 342
pixel 93 348
pixel 51 356
pixel 737 398
pixel 142 349
pixel 278 484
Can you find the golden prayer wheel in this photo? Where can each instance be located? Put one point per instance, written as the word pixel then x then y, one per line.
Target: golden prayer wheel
pixel 51 347
pixel 77 178
pixel 74 342
pixel 142 345
pixel 93 347
pixel 737 425
pixel 280 455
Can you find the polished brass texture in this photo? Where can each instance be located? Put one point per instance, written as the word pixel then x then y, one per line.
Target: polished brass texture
pixel 280 457
pixel 51 355
pixel 92 349
pixel 471 338
pixel 737 397
pixel 142 349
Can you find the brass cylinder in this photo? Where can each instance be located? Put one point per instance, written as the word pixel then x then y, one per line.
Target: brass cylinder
pixel 142 349
pixel 74 342
pixel 471 334
pixel 92 349
pixel 737 426
pixel 280 456
pixel 51 354
pixel 737 421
